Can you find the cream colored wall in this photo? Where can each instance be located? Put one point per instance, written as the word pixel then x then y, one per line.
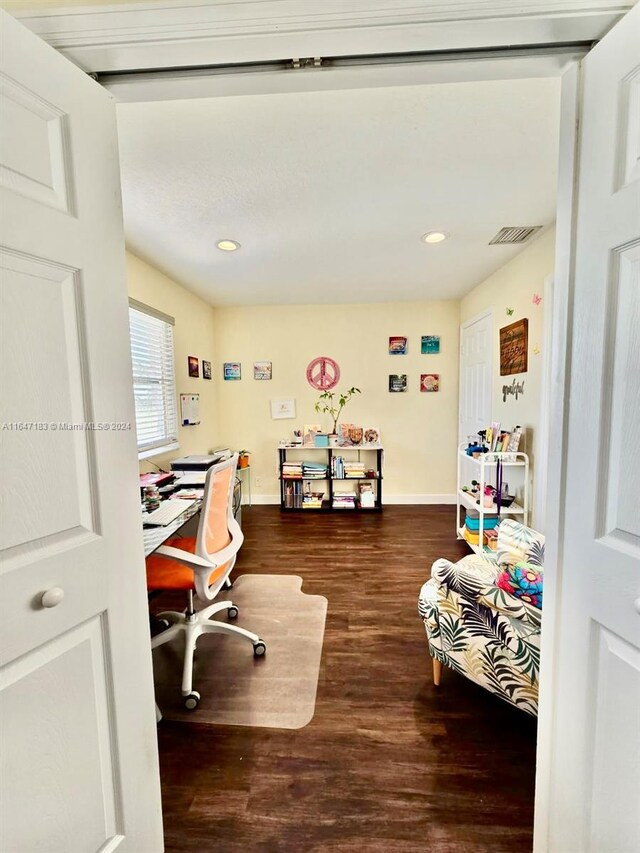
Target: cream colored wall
pixel 513 286
pixel 193 334
pixel 418 429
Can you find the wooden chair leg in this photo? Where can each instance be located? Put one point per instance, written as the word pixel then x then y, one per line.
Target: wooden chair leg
pixel 437 670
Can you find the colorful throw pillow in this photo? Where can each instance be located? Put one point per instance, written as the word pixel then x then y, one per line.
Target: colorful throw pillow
pixel 523 580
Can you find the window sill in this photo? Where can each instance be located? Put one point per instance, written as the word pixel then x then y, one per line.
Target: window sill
pixel 157 451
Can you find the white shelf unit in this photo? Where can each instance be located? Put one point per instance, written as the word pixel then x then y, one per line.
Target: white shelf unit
pixel 486 468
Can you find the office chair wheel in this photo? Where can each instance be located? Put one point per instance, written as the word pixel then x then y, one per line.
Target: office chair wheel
pixel 259 649
pixel 192 701
pixel 232 612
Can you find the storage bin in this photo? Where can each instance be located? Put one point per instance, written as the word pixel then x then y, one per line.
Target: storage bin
pixel 473 524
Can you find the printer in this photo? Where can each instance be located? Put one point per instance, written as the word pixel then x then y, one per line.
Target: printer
pixel 190 464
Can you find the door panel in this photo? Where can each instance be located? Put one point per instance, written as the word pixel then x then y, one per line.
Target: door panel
pixel 590 711
pixel 475 384
pixel 618 498
pixel 79 764
pixel 614 810
pixel 45 390
pixel 70 744
pixel 35 146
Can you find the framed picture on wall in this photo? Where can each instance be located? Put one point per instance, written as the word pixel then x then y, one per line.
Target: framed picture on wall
pixel 514 347
pixel 282 409
pixel 206 369
pixel 430 382
pixel 232 370
pixel 397 383
pixel 398 345
pixel 262 370
pixel 194 366
pixel 430 344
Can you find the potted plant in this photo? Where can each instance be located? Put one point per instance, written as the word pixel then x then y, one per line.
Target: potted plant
pixel 332 403
pixel 243 458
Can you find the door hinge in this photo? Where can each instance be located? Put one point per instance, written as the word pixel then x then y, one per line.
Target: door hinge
pixel 307 62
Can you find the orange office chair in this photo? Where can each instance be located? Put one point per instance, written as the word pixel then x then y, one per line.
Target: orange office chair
pixel 202 564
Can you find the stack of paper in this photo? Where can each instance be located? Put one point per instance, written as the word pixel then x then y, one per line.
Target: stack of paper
pixel 314 471
pixel 353 468
pixel 291 470
pixel 312 500
pixel 344 500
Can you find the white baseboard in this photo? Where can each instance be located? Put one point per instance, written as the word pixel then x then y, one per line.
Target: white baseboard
pixel 265 499
pixel 419 499
pixel 387 499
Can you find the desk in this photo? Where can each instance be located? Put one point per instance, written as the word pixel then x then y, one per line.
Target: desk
pixel 240 474
pixel 154 537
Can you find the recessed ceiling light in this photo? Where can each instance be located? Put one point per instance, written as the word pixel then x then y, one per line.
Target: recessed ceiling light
pixel 228 245
pixel 434 236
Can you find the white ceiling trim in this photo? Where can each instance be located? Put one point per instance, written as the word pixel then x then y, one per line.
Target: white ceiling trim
pixel 175 33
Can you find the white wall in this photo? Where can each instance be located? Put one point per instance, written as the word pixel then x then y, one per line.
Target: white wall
pixel 418 429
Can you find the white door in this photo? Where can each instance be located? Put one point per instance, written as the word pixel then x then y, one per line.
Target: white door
pixel 79 753
pixel 590 715
pixel 475 382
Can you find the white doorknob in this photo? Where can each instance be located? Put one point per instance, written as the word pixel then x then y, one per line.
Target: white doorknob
pixel 52 597
pixel 636 604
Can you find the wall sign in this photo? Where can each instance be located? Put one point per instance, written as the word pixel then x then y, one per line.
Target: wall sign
pixel 513 390
pixel 514 347
pixel 323 373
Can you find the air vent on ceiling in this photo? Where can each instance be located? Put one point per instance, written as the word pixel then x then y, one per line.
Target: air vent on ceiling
pixel 514 235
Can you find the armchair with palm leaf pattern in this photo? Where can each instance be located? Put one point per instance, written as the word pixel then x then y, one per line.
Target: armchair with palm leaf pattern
pixel 479 629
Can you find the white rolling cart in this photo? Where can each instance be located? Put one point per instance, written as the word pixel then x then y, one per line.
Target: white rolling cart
pixel 485 466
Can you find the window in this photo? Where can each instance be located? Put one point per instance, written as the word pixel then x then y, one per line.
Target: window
pixel 154 384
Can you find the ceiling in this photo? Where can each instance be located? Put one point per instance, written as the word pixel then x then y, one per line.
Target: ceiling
pixel 328 193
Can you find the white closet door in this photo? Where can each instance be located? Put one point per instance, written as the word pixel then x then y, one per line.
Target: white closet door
pixel 79 753
pixel 590 713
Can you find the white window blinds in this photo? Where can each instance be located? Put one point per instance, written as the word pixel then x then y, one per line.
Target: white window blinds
pixel 154 384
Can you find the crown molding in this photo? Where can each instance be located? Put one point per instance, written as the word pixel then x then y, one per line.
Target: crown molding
pixel 170 33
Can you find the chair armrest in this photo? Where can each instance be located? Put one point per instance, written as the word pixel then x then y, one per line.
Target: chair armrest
pixel 186 557
pixel 469 577
pixel 510 605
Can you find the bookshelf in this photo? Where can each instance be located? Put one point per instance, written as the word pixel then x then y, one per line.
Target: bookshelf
pixel 336 472
pixel 485 468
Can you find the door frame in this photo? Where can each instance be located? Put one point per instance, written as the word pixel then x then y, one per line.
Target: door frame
pixel 560 367
pixel 97 43
pixel 174 34
pixel 544 426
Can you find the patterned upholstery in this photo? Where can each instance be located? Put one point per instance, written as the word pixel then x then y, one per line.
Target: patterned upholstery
pixel 482 631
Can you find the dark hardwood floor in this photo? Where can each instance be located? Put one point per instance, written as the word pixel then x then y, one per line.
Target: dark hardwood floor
pixel 388 761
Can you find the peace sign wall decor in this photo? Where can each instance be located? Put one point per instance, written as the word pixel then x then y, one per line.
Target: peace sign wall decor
pixel 323 373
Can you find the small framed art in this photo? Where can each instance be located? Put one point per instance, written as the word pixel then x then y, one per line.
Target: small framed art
pixel 194 366
pixel 398 345
pixel 232 370
pixel 430 344
pixel 206 369
pixel 262 370
pixel 430 382
pixel 397 383
pixel 282 409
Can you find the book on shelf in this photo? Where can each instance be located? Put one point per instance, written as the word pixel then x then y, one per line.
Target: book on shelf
pixel 293 495
pixel 314 471
pixel 344 500
pixel 312 500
